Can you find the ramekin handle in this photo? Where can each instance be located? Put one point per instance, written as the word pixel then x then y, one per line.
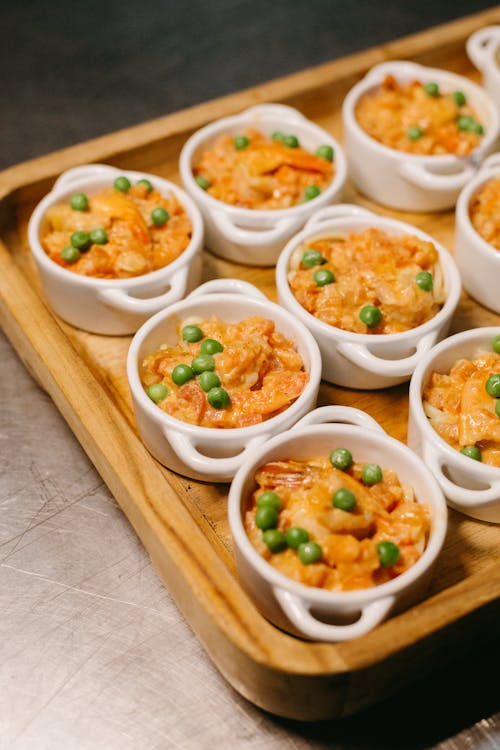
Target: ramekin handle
pixel 480 46
pixel 255 237
pixel 223 469
pixel 122 300
pixel 389 67
pixel 339 211
pixel 360 355
pixel 299 614
pixel 274 110
pixel 338 414
pixel 491 162
pixel 75 175
pixel 419 175
pixel 458 495
pixel 232 286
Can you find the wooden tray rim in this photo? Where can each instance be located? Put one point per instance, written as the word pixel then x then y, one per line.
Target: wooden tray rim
pixel 211 589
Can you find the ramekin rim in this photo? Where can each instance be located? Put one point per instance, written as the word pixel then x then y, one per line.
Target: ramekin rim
pixel 451 274
pixel 314 594
pixel 416 404
pixel 165 272
pixel 364 85
pixel 234 433
pixel 462 211
pixel 211 129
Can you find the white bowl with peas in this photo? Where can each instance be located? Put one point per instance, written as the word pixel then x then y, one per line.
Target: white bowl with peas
pixel 255 236
pixel 310 611
pixel 111 306
pixel 483 48
pixel 470 485
pixel 365 360
pixel 204 452
pixel 477 259
pixel 412 181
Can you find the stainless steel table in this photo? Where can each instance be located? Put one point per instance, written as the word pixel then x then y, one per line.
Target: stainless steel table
pixel 94 654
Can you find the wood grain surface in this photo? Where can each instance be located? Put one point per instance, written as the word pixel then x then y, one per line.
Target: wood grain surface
pixel 84 374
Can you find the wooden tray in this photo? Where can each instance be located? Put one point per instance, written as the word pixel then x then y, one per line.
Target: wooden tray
pixel 183 523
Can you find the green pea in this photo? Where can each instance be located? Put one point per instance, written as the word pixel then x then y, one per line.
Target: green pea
pixel 278 135
pixel 312 258
pixel 202 182
pixel 431 88
pixel 465 122
pixel 122 184
pixel 211 346
pixel 424 281
pixel 414 133
pixel 370 315
pixel 208 380
pixel 344 499
pixel 157 392
pixel 493 385
pixel 311 192
pixel 291 141
pixel 472 451
pixel 203 362
pixel 477 128
pixel 70 254
pixel 80 240
pixel 192 334
pixel 371 474
pixel 270 499
pixel 147 183
pixel 79 202
pixel 241 142
pixel 495 345
pixel 388 553
pixel 325 152
pixel 309 552
pixel 159 216
pixel 98 236
pixel 266 518
pixel 460 98
pixel 218 398
pixel 323 277
pixel 295 536
pixel 497 407
pixel 181 374
pixel 274 539
pixel 341 459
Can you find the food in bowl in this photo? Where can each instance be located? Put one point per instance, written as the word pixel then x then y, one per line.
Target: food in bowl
pixel 485 212
pixel 463 405
pixel 368 281
pixel 122 231
pixel 334 523
pixel 251 170
pixel 420 118
pixel 225 375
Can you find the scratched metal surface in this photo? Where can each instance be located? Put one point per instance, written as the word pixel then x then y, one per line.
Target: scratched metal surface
pixel 93 653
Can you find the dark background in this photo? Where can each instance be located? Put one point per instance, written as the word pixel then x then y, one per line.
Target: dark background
pixel 73 71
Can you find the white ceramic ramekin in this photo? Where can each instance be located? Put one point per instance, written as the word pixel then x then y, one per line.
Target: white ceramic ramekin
pixel 408 181
pixel 477 260
pixel 313 612
pixel 255 237
pixel 470 486
pixel 483 48
pixel 358 360
pixel 205 452
pixel 113 306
